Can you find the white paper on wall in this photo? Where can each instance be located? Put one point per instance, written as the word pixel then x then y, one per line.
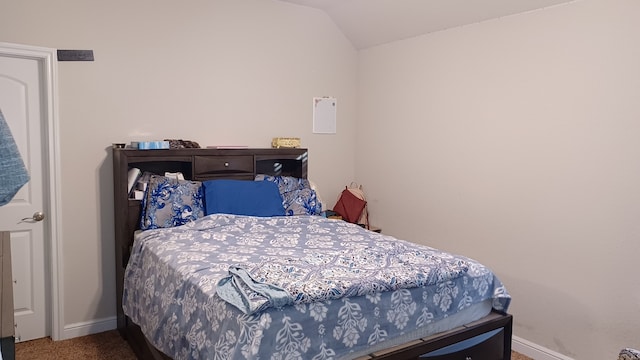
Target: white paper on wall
pixel 324 115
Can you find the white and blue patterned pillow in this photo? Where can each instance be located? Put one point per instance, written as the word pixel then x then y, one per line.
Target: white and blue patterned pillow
pixel 169 202
pixel 629 354
pixel 297 196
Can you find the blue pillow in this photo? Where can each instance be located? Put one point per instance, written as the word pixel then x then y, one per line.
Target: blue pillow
pixel 242 197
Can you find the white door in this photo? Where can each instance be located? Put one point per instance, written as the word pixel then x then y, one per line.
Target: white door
pixel 21 84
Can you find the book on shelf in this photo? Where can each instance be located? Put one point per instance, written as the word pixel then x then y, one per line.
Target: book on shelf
pixel 132 178
pixel 137 183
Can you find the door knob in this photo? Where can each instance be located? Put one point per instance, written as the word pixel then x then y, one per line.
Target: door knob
pixel 37 216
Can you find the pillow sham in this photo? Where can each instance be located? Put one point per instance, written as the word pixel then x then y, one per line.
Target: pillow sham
pixel 298 198
pixel 242 197
pixel 170 202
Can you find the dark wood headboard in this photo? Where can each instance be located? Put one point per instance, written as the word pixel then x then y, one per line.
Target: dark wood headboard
pixel 194 164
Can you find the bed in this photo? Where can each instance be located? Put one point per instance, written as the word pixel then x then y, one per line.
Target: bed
pixel 229 284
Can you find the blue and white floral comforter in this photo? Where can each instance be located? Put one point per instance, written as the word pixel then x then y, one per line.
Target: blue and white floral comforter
pixel 348 289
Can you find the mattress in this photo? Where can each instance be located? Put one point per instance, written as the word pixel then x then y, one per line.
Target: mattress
pixel 172 289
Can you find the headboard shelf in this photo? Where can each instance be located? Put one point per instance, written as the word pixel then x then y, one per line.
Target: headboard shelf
pixel 194 164
pixel 160 167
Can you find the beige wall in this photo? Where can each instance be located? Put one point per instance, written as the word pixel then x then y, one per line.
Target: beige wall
pixel 515 141
pixel 214 71
pixel 512 141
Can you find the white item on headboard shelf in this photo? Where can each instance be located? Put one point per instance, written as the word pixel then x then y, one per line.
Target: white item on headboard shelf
pixel 137 194
pixel 174 175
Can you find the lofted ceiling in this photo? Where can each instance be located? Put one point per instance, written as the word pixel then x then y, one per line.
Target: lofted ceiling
pixel 369 23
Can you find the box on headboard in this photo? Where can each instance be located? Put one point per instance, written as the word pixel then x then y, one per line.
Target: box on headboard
pixel 285 142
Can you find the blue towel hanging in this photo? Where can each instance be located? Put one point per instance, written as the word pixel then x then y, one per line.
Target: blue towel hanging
pixel 13 173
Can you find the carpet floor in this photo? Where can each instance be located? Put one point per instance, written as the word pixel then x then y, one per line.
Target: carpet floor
pixel 103 346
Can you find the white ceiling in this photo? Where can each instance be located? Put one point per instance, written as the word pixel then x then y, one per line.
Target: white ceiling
pixel 368 23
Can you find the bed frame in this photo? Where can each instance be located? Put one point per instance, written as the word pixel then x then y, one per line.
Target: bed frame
pixel 208 164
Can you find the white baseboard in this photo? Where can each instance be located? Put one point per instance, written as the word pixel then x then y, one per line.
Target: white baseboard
pixel 89 327
pixel 535 351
